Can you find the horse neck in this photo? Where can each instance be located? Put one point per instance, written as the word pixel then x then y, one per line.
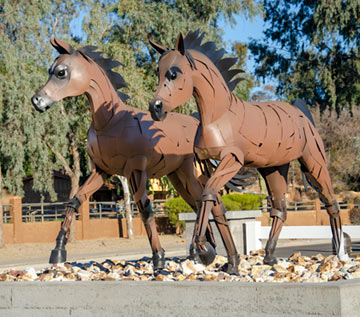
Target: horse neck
pixel 212 95
pixel 103 98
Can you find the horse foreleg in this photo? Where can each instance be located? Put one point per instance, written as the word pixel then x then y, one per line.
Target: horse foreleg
pixel 92 184
pixel 227 168
pixel 137 182
pixel 222 224
pixel 276 182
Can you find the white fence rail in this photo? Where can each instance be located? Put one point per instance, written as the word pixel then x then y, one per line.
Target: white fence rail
pixel 254 233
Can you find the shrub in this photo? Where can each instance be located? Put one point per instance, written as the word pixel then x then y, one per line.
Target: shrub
pixel 177 205
pixel 174 207
pixel 242 201
pixel 355 216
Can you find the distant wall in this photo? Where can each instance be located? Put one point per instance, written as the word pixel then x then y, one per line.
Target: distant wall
pixel 86 228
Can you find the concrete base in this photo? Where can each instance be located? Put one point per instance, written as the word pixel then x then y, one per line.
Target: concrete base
pixel 237 221
pixel 179 299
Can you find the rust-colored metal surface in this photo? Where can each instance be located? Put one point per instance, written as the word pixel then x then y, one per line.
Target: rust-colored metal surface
pixel 265 135
pixel 126 141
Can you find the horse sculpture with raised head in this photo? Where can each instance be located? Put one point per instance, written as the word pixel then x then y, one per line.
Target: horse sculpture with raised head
pixel 126 141
pixel 265 135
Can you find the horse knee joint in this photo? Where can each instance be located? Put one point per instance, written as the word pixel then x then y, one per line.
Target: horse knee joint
pixel 278 209
pixel 332 210
pixel 209 195
pixel 74 203
pixel 281 214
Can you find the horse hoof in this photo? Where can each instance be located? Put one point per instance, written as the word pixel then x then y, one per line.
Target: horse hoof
pixel 232 267
pixel 158 260
pixel 57 256
pixel 206 253
pixel 347 242
pixel 347 249
pixel 193 255
pixel 270 260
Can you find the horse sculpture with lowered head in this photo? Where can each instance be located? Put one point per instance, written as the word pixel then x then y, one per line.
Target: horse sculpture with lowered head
pixel 265 135
pixel 126 141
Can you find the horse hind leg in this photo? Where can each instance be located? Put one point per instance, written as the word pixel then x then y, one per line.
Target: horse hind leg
pixel 276 183
pixel 92 184
pixel 317 174
pixel 138 187
pixel 187 185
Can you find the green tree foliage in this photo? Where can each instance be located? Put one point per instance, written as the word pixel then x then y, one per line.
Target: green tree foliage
pixel 135 20
pixel 312 49
pixel 24 57
pixel 242 90
pixel 33 143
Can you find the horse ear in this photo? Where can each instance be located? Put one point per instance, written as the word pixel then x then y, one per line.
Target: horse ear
pixel 180 46
pixel 61 47
pixel 157 47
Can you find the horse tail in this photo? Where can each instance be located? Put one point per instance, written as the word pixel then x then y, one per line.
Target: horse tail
pixel 300 104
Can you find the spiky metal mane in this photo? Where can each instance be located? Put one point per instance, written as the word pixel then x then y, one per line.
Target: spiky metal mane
pixel 107 64
pixel 193 40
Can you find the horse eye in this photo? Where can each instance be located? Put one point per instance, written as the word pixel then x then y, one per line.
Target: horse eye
pixel 61 73
pixel 173 76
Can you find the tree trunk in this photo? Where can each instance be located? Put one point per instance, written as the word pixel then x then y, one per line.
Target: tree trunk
pixel 74 190
pixel 128 216
pixel 2 242
pixel 75 179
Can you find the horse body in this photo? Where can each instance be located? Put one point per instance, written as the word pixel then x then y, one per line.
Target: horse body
pixel 134 134
pixel 267 135
pixel 253 139
pixel 126 141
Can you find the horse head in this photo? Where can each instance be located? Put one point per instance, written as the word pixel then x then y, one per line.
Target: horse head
pixel 175 82
pixel 68 77
pixel 193 68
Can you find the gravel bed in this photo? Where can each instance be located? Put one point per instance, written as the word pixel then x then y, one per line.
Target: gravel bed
pixel 295 269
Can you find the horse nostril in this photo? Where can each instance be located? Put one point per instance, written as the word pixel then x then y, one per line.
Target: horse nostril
pixel 35 100
pixel 158 105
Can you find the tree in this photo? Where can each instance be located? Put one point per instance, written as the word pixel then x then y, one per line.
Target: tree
pixel 32 143
pixel 341 136
pixel 2 242
pixel 128 215
pixel 312 49
pixel 133 21
pixel 242 90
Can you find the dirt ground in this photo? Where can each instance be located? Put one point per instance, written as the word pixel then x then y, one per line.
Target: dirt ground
pixel 37 252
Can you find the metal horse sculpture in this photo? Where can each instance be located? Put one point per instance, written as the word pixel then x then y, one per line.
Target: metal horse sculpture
pixel 267 135
pixel 126 141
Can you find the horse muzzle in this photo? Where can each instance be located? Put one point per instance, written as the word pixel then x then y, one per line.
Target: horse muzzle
pixel 157 110
pixel 41 102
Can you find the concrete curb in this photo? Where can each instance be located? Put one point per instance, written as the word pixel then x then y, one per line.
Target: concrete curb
pixel 179 299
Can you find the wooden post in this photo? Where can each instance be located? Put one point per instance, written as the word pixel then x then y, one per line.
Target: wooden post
pixel 318 211
pixel 16 218
pixel 84 216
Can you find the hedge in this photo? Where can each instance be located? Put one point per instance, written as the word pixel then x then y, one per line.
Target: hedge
pixel 177 205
